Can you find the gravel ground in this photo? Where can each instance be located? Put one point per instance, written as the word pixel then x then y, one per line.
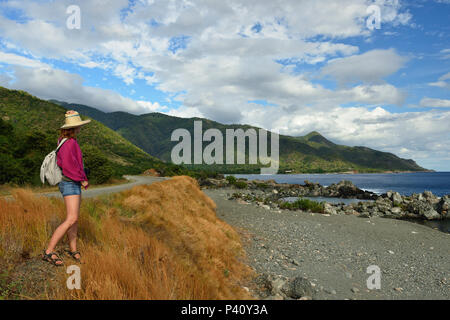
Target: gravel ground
pixel 333 252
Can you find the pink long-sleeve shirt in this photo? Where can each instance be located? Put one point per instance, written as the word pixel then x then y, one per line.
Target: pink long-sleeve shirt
pixel 70 159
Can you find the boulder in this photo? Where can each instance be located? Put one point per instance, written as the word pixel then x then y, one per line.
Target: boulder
pixel 347 189
pixel 430 197
pixel 444 206
pixel 423 209
pixel 396 210
pixel 396 198
pixel 210 182
pixel 432 214
pixel 329 209
pixel 277 285
pixel 364 214
pixel 300 287
pixel 384 205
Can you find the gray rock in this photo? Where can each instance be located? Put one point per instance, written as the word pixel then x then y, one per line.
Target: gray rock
pixel 364 214
pixel 329 209
pixel 431 214
pixel 278 285
pixel 430 197
pixel 424 209
pixel 396 210
pixel 300 287
pixel 444 206
pixel 295 262
pixel 330 291
pixel 397 198
pixel 384 205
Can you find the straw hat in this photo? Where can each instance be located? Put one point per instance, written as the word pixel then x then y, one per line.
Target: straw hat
pixel 73 120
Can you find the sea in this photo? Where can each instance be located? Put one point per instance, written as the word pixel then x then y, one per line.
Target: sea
pixel 404 183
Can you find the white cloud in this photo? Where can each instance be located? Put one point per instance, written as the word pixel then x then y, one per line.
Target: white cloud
pixel 443 82
pixel 445 54
pixel 435 103
pixel 210 22
pixel 422 136
pixel 228 62
pixel 14 59
pixel 371 66
pixel 48 83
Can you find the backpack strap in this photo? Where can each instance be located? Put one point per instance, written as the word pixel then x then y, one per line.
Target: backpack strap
pixel 60 144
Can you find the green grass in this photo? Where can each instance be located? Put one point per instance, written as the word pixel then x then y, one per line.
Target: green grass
pixel 8 288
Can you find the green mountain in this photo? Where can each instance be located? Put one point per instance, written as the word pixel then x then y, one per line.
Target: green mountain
pixel 308 154
pixel 29 131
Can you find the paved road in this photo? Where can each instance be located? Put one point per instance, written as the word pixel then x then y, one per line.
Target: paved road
pixel 93 192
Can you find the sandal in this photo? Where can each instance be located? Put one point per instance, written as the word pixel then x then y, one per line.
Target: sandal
pixel 48 257
pixel 73 254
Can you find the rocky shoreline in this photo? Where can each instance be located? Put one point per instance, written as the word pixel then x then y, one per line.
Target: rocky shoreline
pixel 302 255
pixel 271 195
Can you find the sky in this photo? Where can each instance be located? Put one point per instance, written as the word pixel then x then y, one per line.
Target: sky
pixel 293 66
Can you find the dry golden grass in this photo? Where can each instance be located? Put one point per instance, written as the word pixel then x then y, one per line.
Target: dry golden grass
pixel 159 241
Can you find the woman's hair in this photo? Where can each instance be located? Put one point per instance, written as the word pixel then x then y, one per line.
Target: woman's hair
pixel 67 133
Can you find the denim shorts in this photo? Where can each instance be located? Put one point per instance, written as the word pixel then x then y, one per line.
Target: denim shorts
pixel 69 188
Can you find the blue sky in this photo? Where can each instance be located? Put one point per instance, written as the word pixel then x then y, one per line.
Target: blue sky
pixel 282 65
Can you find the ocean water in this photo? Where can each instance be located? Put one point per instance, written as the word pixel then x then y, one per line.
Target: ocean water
pixel 403 183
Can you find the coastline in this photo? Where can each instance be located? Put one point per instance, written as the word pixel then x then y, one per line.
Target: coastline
pixel 342 198
pixel 332 252
pixel 340 172
pixel 405 183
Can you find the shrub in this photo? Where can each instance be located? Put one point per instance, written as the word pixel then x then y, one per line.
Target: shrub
pixel 240 184
pixel 231 179
pixel 304 204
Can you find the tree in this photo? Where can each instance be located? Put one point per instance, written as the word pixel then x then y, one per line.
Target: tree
pixel 100 169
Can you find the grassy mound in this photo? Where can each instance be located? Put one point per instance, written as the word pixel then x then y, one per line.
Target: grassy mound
pixel 159 241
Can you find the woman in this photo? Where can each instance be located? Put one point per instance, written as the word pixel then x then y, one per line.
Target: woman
pixel 70 160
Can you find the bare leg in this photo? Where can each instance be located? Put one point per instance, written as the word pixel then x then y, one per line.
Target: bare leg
pixel 72 234
pixel 72 209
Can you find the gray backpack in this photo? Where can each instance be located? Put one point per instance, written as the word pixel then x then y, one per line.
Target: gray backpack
pixel 49 168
